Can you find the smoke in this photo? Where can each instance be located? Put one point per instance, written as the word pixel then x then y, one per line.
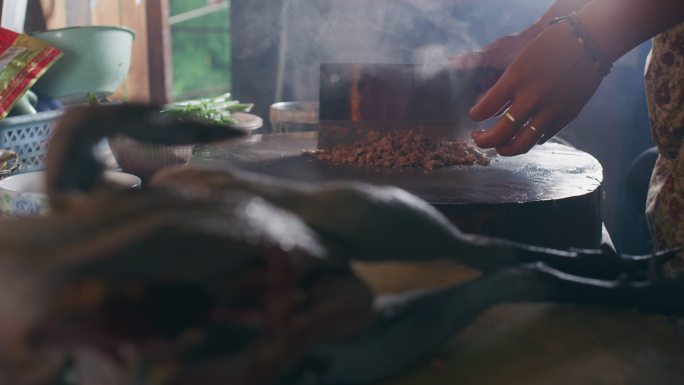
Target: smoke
pixel 386 31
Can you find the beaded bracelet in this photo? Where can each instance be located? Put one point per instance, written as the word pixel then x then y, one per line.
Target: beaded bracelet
pixel 588 44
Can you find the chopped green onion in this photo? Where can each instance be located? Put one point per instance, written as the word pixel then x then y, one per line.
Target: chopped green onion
pixel 218 109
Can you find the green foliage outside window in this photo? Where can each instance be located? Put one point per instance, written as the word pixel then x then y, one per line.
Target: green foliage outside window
pixel 201 51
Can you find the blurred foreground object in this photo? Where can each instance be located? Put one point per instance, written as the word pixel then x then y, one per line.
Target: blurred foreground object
pixel 144 159
pixel 215 276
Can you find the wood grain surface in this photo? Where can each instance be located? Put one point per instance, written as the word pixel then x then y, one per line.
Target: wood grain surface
pixel 536 344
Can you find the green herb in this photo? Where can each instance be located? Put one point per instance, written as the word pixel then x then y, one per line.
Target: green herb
pixel 92 99
pixel 218 110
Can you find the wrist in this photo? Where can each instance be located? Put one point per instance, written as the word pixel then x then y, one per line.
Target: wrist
pixel 584 39
pixel 535 29
pixel 611 51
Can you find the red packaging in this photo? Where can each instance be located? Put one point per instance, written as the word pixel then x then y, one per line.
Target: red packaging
pixel 23 59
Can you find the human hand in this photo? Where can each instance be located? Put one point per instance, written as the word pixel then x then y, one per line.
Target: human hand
pixel 490 61
pixel 498 54
pixel 546 87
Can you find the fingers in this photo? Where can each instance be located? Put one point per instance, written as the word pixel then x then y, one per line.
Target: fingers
pixel 545 139
pixel 526 138
pixel 493 100
pixel 546 84
pixel 540 128
pixel 506 128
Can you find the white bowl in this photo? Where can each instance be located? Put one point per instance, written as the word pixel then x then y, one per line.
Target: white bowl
pixel 24 195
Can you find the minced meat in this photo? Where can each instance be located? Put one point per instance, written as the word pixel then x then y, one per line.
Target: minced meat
pixel 399 149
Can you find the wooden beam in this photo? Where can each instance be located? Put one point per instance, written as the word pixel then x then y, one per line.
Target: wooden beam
pixel 105 13
pixel 134 15
pixel 35 17
pixel 13 14
pixel 159 51
pixel 55 13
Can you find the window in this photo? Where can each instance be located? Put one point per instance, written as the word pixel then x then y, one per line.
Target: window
pixel 182 48
pixel 200 47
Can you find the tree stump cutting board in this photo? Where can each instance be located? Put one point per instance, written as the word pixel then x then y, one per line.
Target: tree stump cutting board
pixel 550 196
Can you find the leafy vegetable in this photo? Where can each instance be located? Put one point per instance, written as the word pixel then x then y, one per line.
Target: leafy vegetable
pixel 92 99
pixel 218 110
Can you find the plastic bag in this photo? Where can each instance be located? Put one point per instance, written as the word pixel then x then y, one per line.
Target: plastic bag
pixel 23 59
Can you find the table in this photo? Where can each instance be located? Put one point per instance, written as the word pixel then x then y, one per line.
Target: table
pixel 535 344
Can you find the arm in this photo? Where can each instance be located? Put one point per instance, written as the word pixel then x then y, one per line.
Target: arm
pixel 620 25
pixel 552 79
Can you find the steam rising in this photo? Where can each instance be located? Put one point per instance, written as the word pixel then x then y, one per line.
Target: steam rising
pixel 386 31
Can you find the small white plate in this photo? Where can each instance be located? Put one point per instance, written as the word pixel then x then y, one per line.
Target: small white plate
pixel 248 122
pixel 34 182
pixel 24 194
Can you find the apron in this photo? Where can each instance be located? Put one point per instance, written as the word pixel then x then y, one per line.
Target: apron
pixel 664 80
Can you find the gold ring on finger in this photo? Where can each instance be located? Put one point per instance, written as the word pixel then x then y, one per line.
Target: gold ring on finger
pixel 511 118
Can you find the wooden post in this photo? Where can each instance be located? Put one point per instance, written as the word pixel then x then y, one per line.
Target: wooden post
pixel 159 51
pixel 134 15
pixel 78 12
pixel 54 12
pixel 35 17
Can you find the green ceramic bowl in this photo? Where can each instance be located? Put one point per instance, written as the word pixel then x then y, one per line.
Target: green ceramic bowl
pixel 96 60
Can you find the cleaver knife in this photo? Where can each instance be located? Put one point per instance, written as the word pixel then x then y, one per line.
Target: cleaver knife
pixel 355 98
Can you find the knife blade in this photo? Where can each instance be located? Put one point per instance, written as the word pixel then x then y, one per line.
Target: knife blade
pixel 356 98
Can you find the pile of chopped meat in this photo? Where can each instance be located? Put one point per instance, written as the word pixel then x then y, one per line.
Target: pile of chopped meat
pixel 399 149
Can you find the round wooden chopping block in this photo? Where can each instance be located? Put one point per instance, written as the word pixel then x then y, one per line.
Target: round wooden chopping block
pixel 550 196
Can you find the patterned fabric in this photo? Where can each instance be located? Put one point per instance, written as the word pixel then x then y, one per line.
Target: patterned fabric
pixel 665 92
